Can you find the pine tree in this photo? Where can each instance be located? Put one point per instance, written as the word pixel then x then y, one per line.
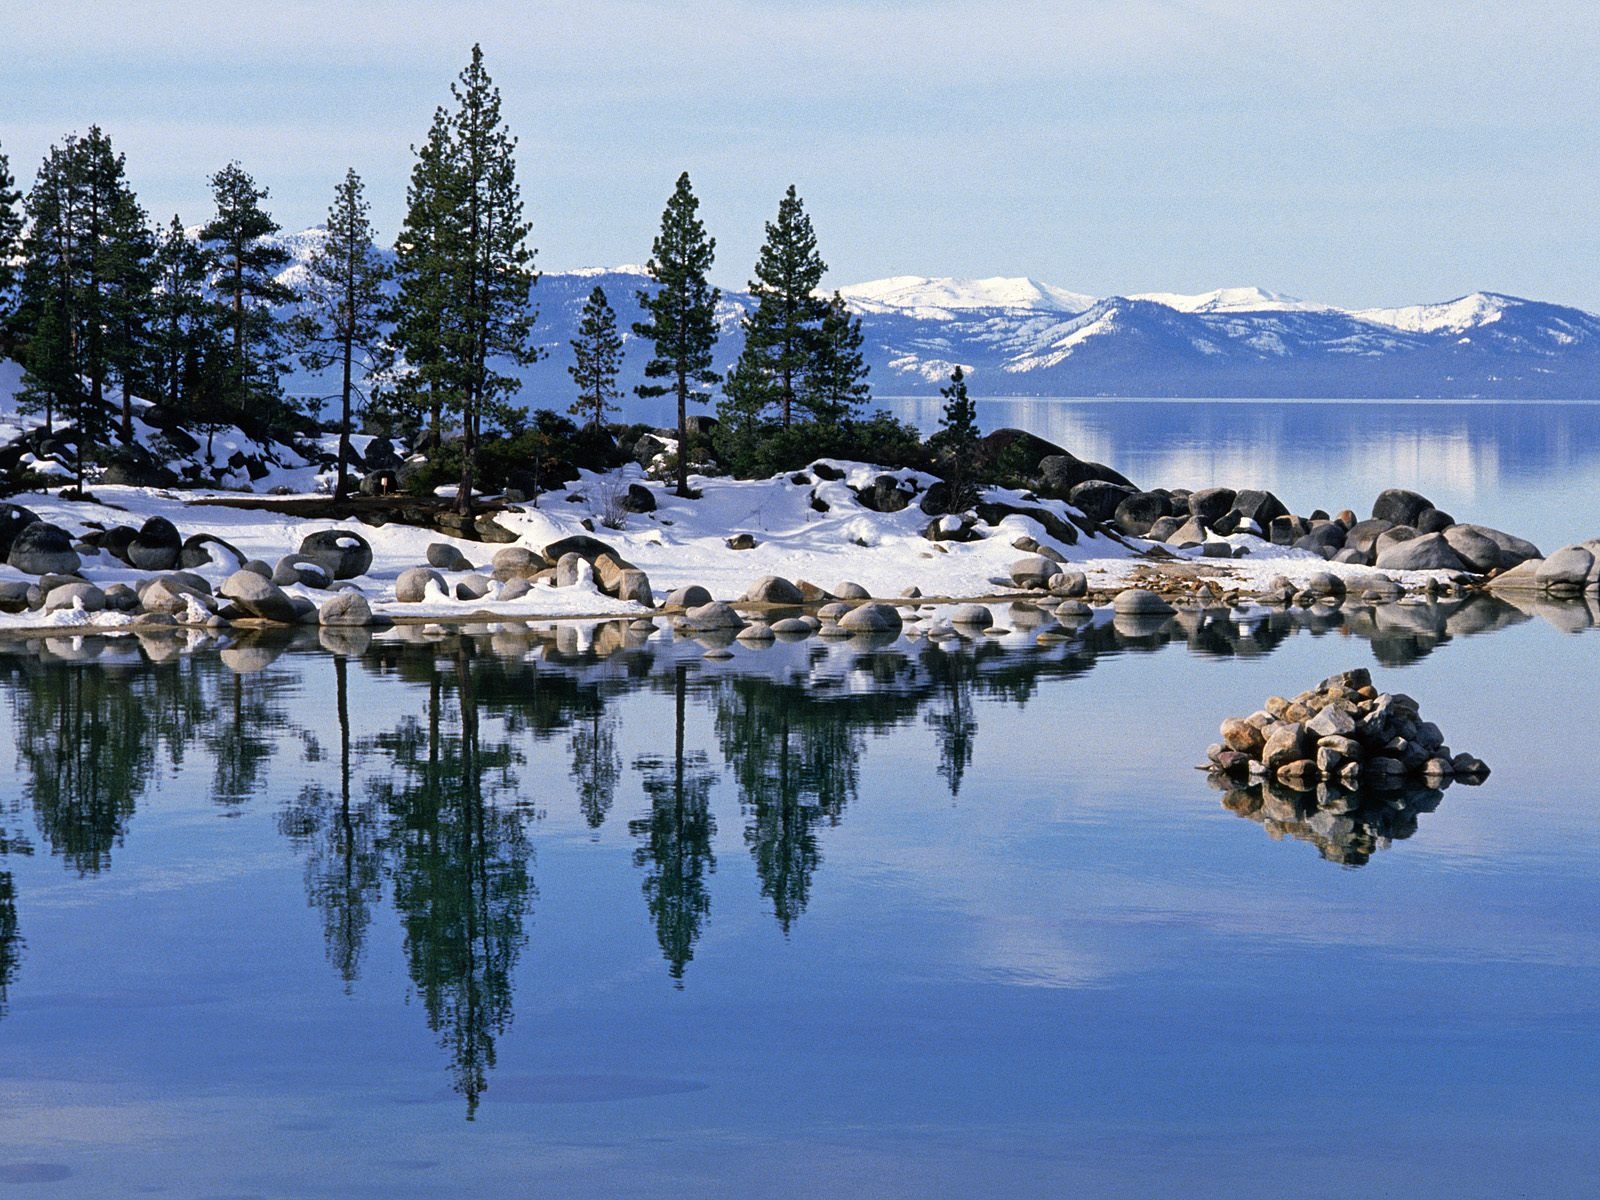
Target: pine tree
pixel 836 387
pixel 424 252
pixel 10 248
pixel 467 269
pixel 598 350
pixel 781 331
pixel 957 439
pixel 85 290
pixel 344 304
pixel 183 333
pixel 245 262
pixel 681 313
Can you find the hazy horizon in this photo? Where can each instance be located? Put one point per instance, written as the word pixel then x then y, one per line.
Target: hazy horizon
pixel 1369 155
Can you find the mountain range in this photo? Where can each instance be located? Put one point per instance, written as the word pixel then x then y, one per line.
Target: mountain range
pixel 1020 337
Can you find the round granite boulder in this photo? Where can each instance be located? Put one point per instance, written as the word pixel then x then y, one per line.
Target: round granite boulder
pixel 40 548
pixel 13 520
pixel 156 547
pixel 343 554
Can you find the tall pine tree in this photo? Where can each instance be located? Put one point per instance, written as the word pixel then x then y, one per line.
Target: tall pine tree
pixel 183 332
pixel 344 305
pixel 10 249
pixel 836 387
pixel 956 440
pixel 466 270
pixel 85 290
pixel 681 313
pixel 598 353
pixel 780 332
pixel 245 263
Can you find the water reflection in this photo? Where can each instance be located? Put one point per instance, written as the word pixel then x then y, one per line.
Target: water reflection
pixel 415 767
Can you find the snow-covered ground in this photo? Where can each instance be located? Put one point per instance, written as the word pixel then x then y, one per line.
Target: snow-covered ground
pixel 683 542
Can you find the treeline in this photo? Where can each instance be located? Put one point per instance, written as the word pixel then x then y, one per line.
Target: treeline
pixel 101 306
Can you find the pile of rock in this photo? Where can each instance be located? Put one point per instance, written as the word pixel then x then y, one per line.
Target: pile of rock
pixel 515 570
pixel 1342 733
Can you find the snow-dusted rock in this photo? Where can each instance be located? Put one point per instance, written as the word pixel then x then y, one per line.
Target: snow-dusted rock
pixel 343 553
pixel 40 548
pixel 258 597
pixel 412 585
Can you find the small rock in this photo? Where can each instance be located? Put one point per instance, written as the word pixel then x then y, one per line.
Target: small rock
pixel 445 557
pixel 412 585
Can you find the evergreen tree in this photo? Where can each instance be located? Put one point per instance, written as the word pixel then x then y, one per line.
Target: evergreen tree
pixel 957 439
pixel 598 350
pixel 10 248
pixel 467 269
pixel 85 290
pixel 781 331
pixel 836 387
pixel 183 334
pixel 344 304
pixel 245 263
pixel 681 314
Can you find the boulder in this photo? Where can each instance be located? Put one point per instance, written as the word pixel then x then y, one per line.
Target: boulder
pixel 260 568
pixel 517 562
pixel 1014 452
pixel 14 595
pixel 1400 507
pixel 774 589
pixel 473 587
pixel 886 495
pixel 1239 734
pixel 1363 535
pixel 443 556
pixel 13 519
pixel 1098 500
pixel 973 616
pixel 1571 568
pixel 1034 571
pixel 1393 536
pixel 1191 533
pixel 1058 474
pixel 1286 742
pixel 1138 512
pixel 715 615
pixel 1139 602
pixel 872 618
pixel 1324 537
pixel 412 585
pixel 1070 582
pixel 156 547
pixel 121 598
pixel 1262 507
pixel 1287 530
pixel 206 549
pixel 169 594
pixel 302 569
pixel 1209 505
pixel 79 594
pixel 572 567
pixel 847 590
pixel 258 597
pixel 1427 552
pixel 742 541
pixel 1431 520
pixel 1476 552
pixel 1163 529
pixel 40 548
pixel 639 499
pixel 342 553
pixel 348 607
pixel 692 596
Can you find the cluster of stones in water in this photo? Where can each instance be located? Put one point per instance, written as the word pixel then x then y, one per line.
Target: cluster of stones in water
pixel 1342 731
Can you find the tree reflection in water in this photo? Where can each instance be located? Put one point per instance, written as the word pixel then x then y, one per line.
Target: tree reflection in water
pixel 432 807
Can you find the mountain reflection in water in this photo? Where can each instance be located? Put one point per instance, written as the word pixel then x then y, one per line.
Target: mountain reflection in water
pixel 424 799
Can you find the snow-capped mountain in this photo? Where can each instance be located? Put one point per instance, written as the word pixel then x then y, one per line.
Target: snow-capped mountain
pixel 1018 336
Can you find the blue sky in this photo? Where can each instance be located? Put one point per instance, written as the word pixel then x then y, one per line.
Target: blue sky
pixel 1358 153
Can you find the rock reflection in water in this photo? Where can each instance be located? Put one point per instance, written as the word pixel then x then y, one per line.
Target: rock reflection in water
pixel 1346 827
pixel 409 760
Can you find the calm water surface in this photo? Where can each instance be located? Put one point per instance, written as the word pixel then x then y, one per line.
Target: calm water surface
pixel 1530 468
pixel 486 913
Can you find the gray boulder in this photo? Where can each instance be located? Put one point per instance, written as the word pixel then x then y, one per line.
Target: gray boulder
pixel 1427 552
pixel 13 520
pixel 1210 505
pixel 851 591
pixel 692 596
pixel 1191 533
pixel 156 547
pixel 514 588
pixel 1098 500
pixel 872 618
pixel 1513 550
pixel 1571 568
pixel 14 595
pixel 258 597
pixel 40 548
pixel 1262 507
pixel 513 562
pixel 715 615
pixel 973 616
pixel 473 587
pixel 1476 552
pixel 1363 535
pixel 1400 507
pixel 343 553
pixel 121 598
pixel 774 589
pixel 570 568
pixel 1069 582
pixel 345 608
pixel 1034 571
pixel 205 549
pixel 412 585
pixel 1139 602
pixel 445 557
pixel 301 569
pixel 1058 474
pixel 80 594
pixel 1138 512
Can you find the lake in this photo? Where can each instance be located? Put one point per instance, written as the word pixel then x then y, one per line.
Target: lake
pixel 504 912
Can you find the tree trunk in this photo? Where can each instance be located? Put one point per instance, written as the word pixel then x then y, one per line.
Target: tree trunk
pixel 683 434
pixel 341 486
